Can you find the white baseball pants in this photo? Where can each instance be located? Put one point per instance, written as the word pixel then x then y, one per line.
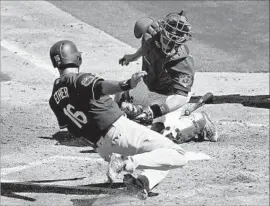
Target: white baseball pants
pixel 148 150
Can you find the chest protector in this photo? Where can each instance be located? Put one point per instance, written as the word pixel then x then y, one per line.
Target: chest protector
pixel 162 69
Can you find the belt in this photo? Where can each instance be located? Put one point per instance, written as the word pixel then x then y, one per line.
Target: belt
pixel 102 137
pixel 105 132
pixel 93 141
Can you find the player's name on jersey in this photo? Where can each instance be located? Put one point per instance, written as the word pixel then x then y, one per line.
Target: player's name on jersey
pixel 60 94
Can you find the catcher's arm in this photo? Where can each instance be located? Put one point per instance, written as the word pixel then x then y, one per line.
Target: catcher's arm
pixel 126 59
pixel 147 28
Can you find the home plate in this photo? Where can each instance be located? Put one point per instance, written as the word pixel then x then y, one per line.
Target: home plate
pixel 197 156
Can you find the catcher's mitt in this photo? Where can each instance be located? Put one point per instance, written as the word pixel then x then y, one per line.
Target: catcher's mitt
pixel 146 117
pixel 131 110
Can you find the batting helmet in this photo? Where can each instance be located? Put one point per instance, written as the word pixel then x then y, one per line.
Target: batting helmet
pixel 65 54
pixel 175 30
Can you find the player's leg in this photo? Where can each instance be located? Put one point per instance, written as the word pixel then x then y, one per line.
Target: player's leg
pixel 146 149
pixel 181 128
pixel 145 182
pixel 185 128
pixel 157 152
pixel 129 138
pixel 140 147
pixel 149 178
pixel 154 176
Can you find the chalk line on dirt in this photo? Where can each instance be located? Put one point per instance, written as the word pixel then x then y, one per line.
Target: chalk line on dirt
pixel 246 124
pixel 5 171
pixel 35 60
pixel 192 156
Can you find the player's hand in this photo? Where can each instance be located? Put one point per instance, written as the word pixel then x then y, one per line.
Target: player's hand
pixel 146 118
pixel 154 28
pixel 136 78
pixel 125 60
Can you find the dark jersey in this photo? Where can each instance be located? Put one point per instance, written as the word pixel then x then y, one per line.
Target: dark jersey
pixel 79 106
pixel 167 75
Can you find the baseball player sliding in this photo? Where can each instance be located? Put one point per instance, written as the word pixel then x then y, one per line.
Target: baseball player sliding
pixel 81 103
pixel 170 75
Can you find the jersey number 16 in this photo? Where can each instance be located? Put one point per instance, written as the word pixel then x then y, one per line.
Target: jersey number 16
pixel 77 117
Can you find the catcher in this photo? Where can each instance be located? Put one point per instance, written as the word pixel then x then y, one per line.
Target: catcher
pixel 170 75
pixel 82 105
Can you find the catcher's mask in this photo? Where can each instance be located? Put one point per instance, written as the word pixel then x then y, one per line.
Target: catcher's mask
pixel 65 54
pixel 175 30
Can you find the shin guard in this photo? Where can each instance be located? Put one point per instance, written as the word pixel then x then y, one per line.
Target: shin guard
pixel 186 128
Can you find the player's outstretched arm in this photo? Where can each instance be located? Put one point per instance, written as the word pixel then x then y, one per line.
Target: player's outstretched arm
pixel 126 59
pixel 112 87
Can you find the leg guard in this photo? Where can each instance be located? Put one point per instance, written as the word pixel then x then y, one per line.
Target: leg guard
pixel 209 130
pixel 186 128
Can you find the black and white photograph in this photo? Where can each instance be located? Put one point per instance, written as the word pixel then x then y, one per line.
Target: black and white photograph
pixel 134 103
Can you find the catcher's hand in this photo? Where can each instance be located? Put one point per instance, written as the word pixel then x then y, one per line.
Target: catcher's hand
pixel 126 59
pixel 146 117
pixel 131 110
pixel 154 28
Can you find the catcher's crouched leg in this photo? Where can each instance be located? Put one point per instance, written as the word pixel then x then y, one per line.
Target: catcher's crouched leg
pixel 197 125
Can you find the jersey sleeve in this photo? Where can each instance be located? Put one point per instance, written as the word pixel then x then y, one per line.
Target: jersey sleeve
pixel 146 43
pixel 87 86
pixel 61 117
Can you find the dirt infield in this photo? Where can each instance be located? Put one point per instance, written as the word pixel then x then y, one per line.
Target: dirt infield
pixel 230 36
pixel 42 166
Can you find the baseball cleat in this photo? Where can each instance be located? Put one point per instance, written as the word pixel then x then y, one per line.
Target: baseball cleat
pixel 209 130
pixel 135 186
pixel 116 165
